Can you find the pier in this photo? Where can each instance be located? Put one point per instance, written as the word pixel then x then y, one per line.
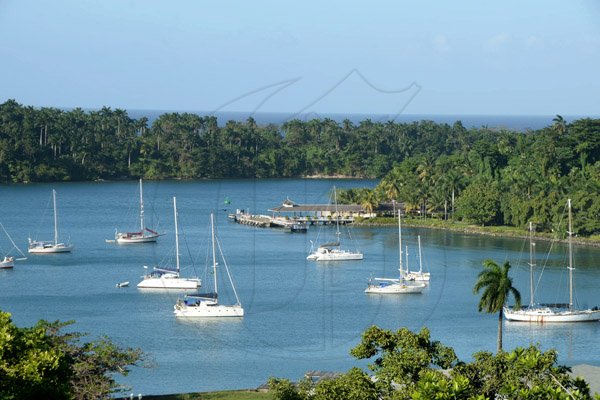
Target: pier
pixel 266 221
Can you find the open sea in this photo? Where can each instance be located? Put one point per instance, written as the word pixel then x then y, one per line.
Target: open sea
pixel 518 123
pixel 300 315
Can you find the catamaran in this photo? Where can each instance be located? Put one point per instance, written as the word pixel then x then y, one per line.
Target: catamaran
pixel 46 247
pixel 398 285
pixel 162 278
pixel 144 235
pixel 203 305
pixel 543 313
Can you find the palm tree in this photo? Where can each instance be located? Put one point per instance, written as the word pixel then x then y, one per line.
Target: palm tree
pixel 559 124
pixel 497 286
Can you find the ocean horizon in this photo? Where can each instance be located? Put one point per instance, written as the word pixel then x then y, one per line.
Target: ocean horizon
pixel 519 123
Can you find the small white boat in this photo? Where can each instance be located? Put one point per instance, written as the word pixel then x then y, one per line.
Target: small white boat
pixel 8 261
pixel 123 284
pixel 206 305
pixel 329 252
pixel 144 235
pixel 417 276
pixel 332 251
pixel 162 278
pixel 395 285
pixel 48 247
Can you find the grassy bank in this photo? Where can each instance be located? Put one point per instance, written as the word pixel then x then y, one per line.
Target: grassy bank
pixel 221 395
pixel 459 226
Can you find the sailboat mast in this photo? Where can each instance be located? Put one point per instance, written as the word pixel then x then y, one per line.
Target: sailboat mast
pixel 55 218
pixel 141 208
pixel 212 228
pixel 400 242
pixel 570 256
pixel 176 234
pixel 337 215
pixel 531 264
pixel 420 259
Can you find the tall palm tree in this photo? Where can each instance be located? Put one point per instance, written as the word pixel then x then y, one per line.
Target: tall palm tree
pixel 497 286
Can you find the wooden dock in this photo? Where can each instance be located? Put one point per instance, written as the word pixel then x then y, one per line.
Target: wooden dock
pixel 262 221
pixel 266 221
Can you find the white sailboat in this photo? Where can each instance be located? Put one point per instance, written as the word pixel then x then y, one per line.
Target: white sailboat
pixel 9 260
pixel 162 278
pixel 144 235
pixel 203 305
pixel 46 247
pixel 543 313
pixel 419 275
pixel 332 251
pixel 395 285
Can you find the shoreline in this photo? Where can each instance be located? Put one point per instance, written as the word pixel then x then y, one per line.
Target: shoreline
pixel 494 231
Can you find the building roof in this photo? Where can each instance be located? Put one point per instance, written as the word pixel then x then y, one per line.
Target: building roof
pixel 290 206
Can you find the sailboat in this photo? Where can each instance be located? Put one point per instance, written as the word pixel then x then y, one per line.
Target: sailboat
pixel 162 278
pixel 144 235
pixel 45 247
pixel 332 251
pixel 9 261
pixel 398 285
pixel 419 275
pixel 552 312
pixel 202 305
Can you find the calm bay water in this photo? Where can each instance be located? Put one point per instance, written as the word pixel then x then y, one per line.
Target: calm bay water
pixel 300 315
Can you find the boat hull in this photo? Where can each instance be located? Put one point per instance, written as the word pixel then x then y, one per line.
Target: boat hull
pixel 169 283
pixel 334 255
pixel 549 315
pixel 207 309
pixel 395 288
pixel 50 249
pixel 417 276
pixel 136 239
pixel 6 264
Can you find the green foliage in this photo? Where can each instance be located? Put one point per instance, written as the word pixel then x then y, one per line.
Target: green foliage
pixel 41 362
pixel 283 389
pixel 480 202
pixel 402 355
pixel 409 365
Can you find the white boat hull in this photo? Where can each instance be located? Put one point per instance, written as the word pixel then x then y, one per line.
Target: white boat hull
pixel 169 283
pixel 417 276
pixel 334 255
pixel 7 263
pixel 395 288
pixel 124 239
pixel 207 309
pixel 48 249
pixel 549 315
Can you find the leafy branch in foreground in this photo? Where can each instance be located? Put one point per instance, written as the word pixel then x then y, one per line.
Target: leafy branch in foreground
pixel 408 365
pixel 43 362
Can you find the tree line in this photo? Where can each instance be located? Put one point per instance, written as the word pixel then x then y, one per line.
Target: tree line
pixel 487 176
pixel 500 177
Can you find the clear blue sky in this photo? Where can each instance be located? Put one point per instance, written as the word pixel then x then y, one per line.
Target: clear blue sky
pixel 466 57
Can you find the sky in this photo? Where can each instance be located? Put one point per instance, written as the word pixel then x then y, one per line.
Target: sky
pixel 538 57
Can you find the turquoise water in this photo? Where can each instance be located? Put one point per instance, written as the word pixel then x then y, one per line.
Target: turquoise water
pixel 300 315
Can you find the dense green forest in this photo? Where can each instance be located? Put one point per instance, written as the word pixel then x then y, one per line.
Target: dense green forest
pixel 482 175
